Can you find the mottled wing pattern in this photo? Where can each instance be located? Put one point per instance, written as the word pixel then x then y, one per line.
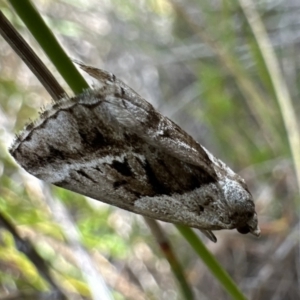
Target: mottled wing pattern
pixel 112 145
pixel 140 117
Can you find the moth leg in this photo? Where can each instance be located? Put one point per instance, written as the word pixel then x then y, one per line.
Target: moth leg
pixel 209 235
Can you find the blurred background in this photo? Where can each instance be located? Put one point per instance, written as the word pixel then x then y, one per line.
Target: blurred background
pixel 209 66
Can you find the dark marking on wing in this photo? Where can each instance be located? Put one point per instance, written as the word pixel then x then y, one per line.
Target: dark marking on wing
pixel 166 133
pixel 84 174
pixel 122 167
pixel 118 184
pixel 122 92
pixel 97 169
pixel 152 120
pixel 63 183
pixel 94 138
pixel 130 189
pixel 92 105
pixel 183 177
pixel 54 154
pixel 158 187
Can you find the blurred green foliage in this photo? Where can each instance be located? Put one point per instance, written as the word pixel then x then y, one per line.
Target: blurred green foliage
pixel 200 64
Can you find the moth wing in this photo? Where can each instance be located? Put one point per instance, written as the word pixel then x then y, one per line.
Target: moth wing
pixel 74 147
pixel 140 117
pixel 77 145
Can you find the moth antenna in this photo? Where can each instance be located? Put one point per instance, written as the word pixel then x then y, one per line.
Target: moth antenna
pixel 101 75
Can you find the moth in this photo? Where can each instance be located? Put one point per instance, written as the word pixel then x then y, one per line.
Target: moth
pixel 110 144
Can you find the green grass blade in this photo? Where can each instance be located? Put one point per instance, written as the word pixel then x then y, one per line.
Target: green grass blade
pixel 36 25
pixel 167 250
pixel 211 262
pixel 43 35
pixel 47 41
pixel 281 90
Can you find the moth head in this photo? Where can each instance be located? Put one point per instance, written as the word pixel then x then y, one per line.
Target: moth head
pixel 241 206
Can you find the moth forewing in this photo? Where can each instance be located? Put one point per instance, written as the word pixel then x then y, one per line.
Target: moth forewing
pixel 112 145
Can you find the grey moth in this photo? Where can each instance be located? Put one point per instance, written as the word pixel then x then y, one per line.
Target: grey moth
pixel 110 144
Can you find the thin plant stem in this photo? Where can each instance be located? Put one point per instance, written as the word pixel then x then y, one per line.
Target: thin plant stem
pixel 36 25
pixel 167 250
pixel 58 61
pixel 211 263
pixel 279 85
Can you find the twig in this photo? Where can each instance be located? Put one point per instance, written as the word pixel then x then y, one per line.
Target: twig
pixel 16 41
